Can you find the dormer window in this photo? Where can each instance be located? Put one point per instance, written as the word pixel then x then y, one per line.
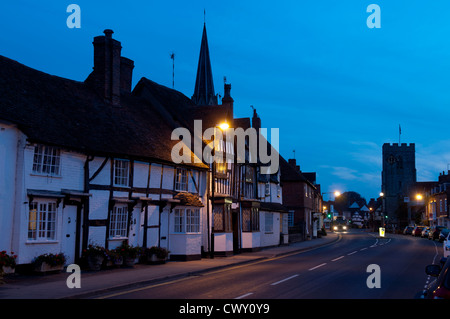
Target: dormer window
pixel 46 160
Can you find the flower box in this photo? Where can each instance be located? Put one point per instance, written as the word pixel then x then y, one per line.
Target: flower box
pixel 44 267
pixel 8 270
pixel 49 263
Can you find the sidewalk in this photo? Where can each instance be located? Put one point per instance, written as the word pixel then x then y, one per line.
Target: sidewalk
pixel 53 286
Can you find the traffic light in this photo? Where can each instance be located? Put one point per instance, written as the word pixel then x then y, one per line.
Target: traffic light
pixel 329 216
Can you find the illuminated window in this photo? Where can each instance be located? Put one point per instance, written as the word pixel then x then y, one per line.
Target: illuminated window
pixel 42 220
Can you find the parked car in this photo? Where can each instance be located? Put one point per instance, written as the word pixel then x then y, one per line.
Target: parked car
pixel 417 231
pixel 408 230
pixel 439 288
pixel 434 232
pixel 447 246
pixel 443 235
pixel 425 232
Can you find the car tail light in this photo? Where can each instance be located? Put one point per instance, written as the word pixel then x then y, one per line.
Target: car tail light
pixel 441 293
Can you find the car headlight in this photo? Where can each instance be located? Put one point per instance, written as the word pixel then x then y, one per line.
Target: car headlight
pixel 344 227
pixel 335 228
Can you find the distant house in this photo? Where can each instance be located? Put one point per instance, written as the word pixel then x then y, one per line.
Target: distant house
pixel 303 200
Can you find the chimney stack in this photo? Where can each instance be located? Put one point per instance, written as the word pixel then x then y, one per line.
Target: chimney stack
pixel 293 163
pixel 256 121
pixel 111 73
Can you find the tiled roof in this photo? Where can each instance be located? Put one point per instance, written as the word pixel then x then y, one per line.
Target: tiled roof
pixel 70 114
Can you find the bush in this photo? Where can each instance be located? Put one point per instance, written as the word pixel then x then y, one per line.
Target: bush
pixel 7 260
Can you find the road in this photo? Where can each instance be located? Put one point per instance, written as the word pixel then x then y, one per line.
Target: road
pixel 336 271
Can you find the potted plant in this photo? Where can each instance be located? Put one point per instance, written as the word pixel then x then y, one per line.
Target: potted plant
pixel 156 255
pixel 94 256
pixel 114 258
pixel 129 254
pixel 49 262
pixel 7 262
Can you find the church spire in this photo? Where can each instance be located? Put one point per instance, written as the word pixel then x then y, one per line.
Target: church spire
pixel 204 86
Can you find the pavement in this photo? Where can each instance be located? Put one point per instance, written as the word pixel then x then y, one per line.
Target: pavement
pixel 54 286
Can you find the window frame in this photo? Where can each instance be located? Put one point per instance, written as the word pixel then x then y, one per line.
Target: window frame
pixel 118 222
pixel 180 185
pixel 268 216
pixel 222 217
pixel 121 174
pixel 46 160
pixel 43 225
pixel 187 220
pixel 250 219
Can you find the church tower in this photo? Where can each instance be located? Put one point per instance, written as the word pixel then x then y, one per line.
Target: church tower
pixel 204 87
pixel 398 178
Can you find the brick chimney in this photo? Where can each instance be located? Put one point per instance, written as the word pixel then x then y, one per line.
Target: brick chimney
pixel 126 74
pixel 111 73
pixel 293 163
pixel 256 121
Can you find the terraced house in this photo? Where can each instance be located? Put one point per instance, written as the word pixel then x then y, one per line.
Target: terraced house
pixel 90 163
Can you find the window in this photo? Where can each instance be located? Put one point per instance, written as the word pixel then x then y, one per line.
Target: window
pixel 179 218
pixel 46 160
pixel 250 219
pixel 221 168
pixel 222 218
pixel 181 180
pixel 42 220
pixel 268 219
pixel 121 168
pixel 118 222
pixel 291 218
pixel 187 220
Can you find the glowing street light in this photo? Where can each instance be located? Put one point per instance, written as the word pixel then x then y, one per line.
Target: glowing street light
pixel 419 197
pixel 224 126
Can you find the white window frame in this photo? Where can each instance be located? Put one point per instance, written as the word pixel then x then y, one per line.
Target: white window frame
pixel 268 222
pixel 46 160
pixel 42 220
pixel 187 220
pixel 121 172
pixel 181 179
pixel 118 222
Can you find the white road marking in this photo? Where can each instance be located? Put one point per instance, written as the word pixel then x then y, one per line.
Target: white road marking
pixel 337 258
pixel 353 252
pixel 317 266
pixel 283 280
pixel 244 295
pixel 363 248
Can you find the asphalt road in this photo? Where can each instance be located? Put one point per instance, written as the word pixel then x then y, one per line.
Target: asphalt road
pixel 336 271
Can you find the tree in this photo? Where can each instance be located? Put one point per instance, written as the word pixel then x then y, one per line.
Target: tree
pixel 346 199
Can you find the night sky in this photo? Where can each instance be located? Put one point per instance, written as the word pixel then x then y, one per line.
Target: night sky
pixel 336 89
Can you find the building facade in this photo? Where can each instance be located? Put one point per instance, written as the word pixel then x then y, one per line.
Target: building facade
pixel 91 163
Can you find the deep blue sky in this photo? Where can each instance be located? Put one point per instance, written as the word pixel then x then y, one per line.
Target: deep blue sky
pixel 336 89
